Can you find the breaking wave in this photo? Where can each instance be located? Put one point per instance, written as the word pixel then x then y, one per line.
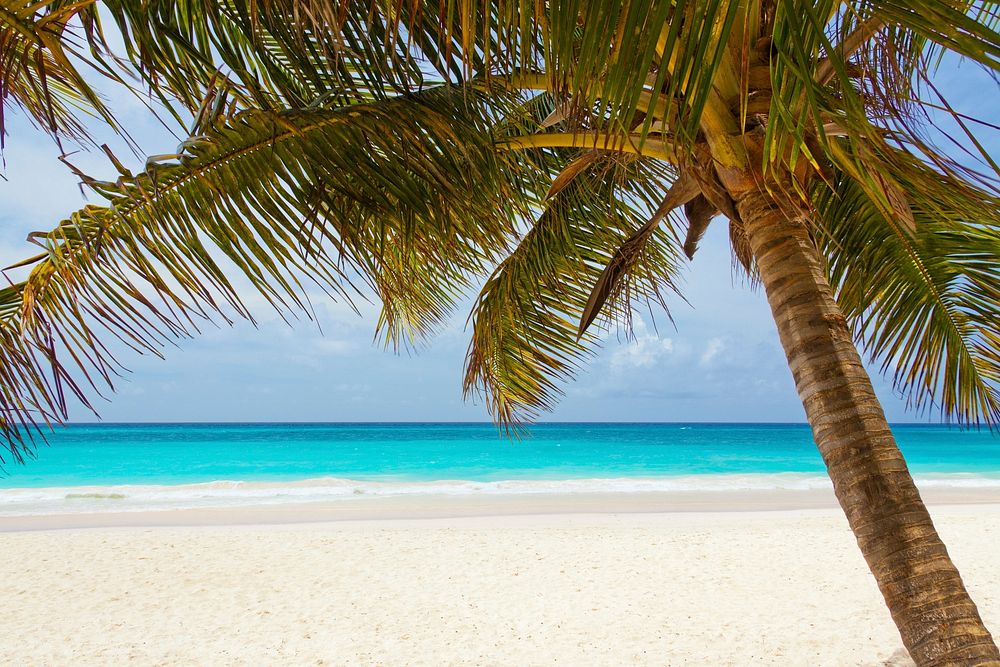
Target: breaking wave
pixel 136 498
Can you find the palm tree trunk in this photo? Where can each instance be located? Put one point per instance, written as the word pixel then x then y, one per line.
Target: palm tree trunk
pixel 938 621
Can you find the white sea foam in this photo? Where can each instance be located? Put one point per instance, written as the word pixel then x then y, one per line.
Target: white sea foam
pixel 224 493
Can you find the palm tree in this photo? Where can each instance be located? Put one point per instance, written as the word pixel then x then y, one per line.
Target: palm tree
pixel 568 152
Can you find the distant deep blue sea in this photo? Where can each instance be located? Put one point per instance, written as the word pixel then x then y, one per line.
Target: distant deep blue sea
pixel 84 466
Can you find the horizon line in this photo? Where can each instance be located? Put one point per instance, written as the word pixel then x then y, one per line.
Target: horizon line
pixel 475 423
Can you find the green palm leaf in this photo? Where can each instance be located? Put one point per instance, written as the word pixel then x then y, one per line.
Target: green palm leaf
pixel 525 339
pixel 283 54
pixel 923 303
pixel 42 47
pixel 409 196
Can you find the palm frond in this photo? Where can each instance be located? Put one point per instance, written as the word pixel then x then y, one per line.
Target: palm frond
pixel 525 339
pixel 281 54
pixel 968 28
pixel 41 50
pixel 407 195
pixel 798 39
pixel 922 302
pixel 621 267
pixel 611 62
pixel 861 72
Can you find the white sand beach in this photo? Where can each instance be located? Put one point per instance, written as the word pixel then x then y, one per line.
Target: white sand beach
pixel 494 586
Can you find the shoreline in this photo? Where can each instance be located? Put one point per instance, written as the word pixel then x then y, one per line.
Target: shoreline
pixel 418 507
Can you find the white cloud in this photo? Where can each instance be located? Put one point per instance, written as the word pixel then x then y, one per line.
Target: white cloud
pixel 644 352
pixel 332 346
pixel 712 350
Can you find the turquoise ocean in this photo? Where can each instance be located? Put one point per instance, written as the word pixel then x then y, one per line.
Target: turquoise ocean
pixel 122 467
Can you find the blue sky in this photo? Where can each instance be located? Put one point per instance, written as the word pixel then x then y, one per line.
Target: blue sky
pixel 722 362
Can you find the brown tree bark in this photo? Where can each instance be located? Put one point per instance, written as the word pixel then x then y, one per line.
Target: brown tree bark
pixel 938 621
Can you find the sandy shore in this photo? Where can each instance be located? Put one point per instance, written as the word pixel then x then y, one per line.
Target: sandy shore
pixel 484 586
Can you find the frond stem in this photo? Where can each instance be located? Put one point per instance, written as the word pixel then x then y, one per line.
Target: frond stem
pixel 848 47
pixel 618 143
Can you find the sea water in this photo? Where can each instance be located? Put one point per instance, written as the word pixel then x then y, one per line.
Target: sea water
pixel 124 467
